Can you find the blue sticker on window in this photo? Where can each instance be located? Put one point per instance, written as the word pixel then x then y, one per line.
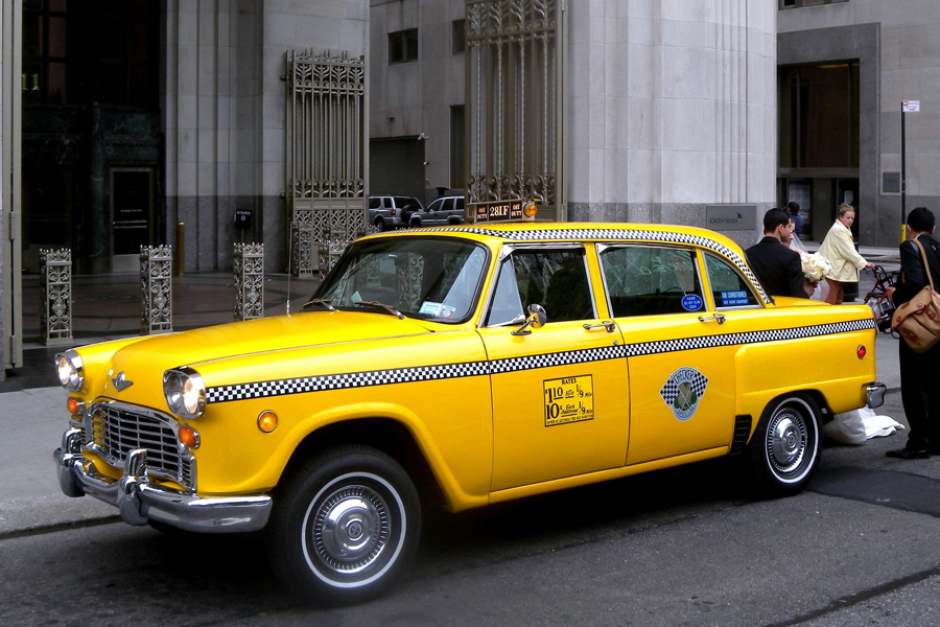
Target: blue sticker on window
pixel 733 298
pixel 691 302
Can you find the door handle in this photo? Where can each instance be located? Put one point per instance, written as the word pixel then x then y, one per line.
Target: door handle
pixel 720 318
pixel 608 324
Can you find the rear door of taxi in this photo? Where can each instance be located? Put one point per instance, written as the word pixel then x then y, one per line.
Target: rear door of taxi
pixel 681 370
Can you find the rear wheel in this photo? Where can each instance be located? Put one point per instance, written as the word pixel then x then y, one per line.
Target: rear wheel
pixel 380 223
pixel 784 450
pixel 344 526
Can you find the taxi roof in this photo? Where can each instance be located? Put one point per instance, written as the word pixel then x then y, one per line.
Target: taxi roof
pixel 590 231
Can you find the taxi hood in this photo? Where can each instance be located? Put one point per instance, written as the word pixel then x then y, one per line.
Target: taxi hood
pixel 308 329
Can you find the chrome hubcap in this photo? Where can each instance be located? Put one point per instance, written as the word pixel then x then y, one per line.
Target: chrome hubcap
pixel 350 529
pixel 786 444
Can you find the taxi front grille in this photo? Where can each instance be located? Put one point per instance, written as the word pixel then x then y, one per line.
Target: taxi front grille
pixel 117 429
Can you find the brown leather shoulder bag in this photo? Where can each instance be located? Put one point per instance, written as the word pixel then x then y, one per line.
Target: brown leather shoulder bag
pixel 918 320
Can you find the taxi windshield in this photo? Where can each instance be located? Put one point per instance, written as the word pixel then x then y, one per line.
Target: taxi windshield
pixel 431 278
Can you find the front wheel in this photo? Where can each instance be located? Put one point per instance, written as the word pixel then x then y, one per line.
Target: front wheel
pixel 784 450
pixel 344 525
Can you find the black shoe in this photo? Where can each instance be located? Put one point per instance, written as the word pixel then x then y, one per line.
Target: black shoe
pixel 909 453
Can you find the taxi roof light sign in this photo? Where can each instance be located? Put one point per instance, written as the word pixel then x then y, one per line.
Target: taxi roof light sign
pixel 504 211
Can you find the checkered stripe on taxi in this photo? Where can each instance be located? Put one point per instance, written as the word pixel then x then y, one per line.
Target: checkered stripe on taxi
pixel 615 235
pixel 303 385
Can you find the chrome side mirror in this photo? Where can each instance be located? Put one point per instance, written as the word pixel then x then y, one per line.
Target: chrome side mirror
pixel 535 320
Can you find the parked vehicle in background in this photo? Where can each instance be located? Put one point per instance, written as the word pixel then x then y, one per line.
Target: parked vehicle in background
pixel 444 210
pixel 389 212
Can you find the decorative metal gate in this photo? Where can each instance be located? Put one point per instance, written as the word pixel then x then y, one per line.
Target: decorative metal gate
pixel 326 154
pixel 515 80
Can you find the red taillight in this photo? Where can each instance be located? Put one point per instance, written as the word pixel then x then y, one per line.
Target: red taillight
pixel 861 351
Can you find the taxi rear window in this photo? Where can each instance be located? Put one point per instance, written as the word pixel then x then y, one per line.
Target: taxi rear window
pixel 650 280
pixel 729 289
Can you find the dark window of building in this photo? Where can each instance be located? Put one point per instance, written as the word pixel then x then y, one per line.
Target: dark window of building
pixel 458 36
pixel 45 52
pixel 126 53
pixel 403 46
pixel 77 53
pixel 819 116
pixel 794 4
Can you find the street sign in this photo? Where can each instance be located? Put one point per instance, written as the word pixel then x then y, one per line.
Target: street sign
pixel 910 106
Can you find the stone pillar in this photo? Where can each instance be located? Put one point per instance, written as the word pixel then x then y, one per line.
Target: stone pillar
pixel 156 289
pixel 56 287
pixel 249 281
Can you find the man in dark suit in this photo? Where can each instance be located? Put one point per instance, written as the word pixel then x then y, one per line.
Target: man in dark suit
pixel 778 267
pixel 920 372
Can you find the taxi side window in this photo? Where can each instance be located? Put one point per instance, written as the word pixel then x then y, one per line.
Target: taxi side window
pixel 729 289
pixel 555 279
pixel 647 281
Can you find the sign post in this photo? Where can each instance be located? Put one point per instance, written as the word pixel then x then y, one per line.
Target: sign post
pixel 907 106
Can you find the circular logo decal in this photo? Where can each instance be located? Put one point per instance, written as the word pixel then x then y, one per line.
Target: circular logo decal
pixel 691 302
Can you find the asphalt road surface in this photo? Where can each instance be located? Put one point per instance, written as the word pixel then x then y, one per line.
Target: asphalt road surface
pixel 689 546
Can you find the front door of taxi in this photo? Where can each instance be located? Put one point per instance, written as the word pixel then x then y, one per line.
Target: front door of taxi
pixel 560 392
pixel 681 377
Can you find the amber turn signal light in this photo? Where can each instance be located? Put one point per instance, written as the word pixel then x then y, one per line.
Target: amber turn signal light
pixel 76 407
pixel 267 421
pixel 861 351
pixel 529 210
pixel 189 437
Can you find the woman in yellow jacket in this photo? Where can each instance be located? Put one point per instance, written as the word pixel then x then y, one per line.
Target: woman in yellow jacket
pixel 839 249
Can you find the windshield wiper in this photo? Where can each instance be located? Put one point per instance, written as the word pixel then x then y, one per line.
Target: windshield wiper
pixel 326 302
pixel 375 303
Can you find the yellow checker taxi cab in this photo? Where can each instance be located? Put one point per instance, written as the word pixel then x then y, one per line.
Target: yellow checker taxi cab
pixel 465 365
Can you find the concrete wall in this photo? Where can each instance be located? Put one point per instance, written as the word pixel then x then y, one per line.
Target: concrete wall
pixel 408 99
pixel 671 106
pixel 224 116
pixel 908 60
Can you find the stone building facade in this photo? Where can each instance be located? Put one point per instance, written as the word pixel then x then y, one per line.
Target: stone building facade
pixel 893 54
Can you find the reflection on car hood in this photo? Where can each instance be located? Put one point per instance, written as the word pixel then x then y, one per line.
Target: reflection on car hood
pixel 308 329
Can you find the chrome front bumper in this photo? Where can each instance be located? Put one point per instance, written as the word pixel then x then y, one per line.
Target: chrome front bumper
pixel 875 394
pixel 139 500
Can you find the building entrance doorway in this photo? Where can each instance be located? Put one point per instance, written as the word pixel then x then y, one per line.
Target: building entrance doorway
pixel 131 216
pixel 818 113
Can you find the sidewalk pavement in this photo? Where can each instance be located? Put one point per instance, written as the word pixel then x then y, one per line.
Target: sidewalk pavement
pixel 106 307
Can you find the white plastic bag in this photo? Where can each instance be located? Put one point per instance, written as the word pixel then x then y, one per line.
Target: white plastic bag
pixel 857 426
pixel 881 426
pixel 847 428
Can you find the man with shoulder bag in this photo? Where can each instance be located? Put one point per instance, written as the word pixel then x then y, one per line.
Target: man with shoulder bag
pixel 917 323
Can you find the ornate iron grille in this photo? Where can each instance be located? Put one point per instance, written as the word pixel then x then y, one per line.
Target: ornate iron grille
pixel 515 76
pixel 249 281
pixel 117 429
pixel 156 289
pixel 56 296
pixel 326 153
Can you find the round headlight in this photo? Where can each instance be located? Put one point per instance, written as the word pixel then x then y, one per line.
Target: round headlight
pixel 70 370
pixel 185 392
